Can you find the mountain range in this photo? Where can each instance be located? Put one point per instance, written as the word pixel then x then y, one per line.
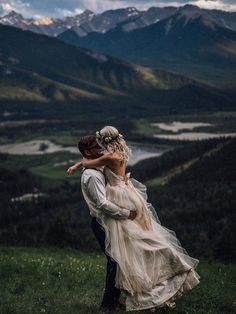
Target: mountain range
pixel 37 68
pixel 132 18
pixel 194 42
pixel 190 43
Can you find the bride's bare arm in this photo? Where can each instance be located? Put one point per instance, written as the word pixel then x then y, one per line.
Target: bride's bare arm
pixel 109 160
pixel 105 160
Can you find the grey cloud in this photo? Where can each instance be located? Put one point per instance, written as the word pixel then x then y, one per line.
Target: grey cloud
pixel 60 8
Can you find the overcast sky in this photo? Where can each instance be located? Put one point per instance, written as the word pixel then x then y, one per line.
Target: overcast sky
pixel 61 8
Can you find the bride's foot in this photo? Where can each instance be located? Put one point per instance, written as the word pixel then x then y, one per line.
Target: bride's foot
pixel 167 305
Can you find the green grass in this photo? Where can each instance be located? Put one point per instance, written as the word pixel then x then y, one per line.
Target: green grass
pixel 48 280
pixel 49 172
pixel 45 165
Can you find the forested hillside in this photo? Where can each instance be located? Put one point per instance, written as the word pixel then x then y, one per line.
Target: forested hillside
pixel 194 196
pixel 199 203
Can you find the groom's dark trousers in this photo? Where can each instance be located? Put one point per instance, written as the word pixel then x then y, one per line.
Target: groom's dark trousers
pixel 111 294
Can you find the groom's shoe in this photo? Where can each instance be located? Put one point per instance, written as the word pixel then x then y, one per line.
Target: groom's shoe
pixel 120 306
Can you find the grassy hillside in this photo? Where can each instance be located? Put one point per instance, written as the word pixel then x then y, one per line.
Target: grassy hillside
pixel 72 66
pixel 37 281
pixel 42 73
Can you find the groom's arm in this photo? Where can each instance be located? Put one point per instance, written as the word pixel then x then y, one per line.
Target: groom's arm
pixel 96 190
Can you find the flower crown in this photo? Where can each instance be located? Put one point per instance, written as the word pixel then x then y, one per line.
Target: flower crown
pixel 107 139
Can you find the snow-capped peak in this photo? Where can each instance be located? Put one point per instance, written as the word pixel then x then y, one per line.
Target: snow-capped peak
pixel 132 9
pixel 44 21
pixel 11 18
pixel 14 14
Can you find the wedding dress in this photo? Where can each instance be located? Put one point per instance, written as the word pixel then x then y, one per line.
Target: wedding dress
pixel 153 269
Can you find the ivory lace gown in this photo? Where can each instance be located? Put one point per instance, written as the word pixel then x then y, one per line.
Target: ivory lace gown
pixel 153 269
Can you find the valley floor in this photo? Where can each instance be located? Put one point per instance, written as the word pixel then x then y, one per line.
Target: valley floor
pixel 49 280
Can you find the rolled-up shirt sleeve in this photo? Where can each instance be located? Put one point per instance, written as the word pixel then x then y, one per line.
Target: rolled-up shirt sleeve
pixel 95 186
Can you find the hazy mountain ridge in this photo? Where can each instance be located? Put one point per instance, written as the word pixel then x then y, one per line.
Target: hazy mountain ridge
pixel 189 43
pixel 88 21
pixel 156 14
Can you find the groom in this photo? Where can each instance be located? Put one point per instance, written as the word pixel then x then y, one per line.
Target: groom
pixel 94 192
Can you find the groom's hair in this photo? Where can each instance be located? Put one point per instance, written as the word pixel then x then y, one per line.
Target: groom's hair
pixel 86 142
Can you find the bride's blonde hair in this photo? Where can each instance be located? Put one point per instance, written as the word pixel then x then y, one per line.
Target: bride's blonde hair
pixel 111 140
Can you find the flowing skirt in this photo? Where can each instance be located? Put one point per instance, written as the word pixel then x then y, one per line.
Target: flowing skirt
pixel 153 268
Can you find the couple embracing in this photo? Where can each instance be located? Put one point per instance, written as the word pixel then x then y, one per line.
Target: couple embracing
pixel 147 268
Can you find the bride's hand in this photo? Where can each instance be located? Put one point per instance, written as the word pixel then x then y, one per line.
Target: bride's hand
pixel 71 170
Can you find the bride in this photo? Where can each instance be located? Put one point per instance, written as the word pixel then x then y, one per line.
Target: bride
pixel 153 269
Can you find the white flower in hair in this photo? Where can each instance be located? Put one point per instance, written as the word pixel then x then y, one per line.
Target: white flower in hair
pixel 98 135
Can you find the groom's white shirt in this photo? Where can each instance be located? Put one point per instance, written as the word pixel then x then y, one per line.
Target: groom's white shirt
pixel 93 185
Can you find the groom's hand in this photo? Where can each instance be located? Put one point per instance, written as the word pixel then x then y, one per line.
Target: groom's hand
pixel 132 215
